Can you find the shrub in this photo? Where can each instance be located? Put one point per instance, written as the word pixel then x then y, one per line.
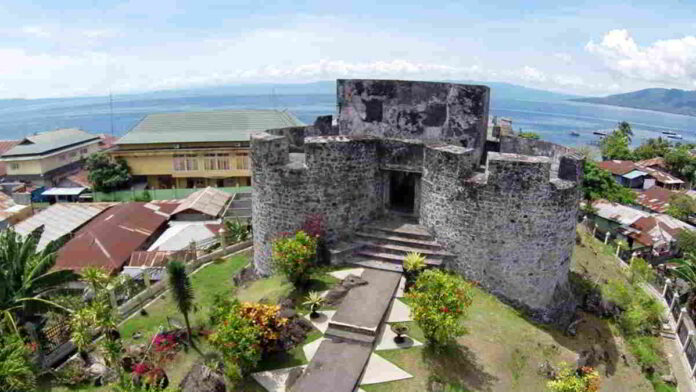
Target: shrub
pixel 295 257
pixel 72 374
pixel 439 300
pixel 267 319
pixel 143 196
pixel 237 231
pixel 237 338
pixel 414 262
pixel 647 350
pixel 16 373
pixel 641 312
pixel 641 271
pixel 585 379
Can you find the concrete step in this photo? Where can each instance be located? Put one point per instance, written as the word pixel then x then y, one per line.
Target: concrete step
pixel 402 249
pixel 404 230
pixel 390 257
pixel 349 336
pixel 337 366
pixel 376 264
pixel 397 239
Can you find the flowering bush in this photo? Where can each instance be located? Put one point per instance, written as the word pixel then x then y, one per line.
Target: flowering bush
pixel 267 318
pixel 165 342
pixel 439 300
pixel 585 379
pixel 237 337
pixel 141 368
pixel 295 257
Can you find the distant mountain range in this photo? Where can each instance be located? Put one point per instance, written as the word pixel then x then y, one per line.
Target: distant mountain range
pixel 499 91
pixel 659 99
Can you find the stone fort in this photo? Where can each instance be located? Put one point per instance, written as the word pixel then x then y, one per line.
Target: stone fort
pixel 498 209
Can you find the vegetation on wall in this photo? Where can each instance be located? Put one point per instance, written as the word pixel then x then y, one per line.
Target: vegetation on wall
pixel 107 174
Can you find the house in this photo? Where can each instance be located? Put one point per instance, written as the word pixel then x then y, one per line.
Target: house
pixel 205 204
pixel 641 176
pixel 6 145
pixel 44 158
pixel 11 212
pixel 196 149
pixel 649 235
pixel 78 179
pixel 108 240
pixel 59 220
pixel 655 199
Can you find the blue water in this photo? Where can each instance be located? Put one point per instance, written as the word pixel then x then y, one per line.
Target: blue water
pixel 552 120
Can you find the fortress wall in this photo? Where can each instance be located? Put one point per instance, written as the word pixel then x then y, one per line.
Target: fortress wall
pixel 336 177
pixel 443 112
pixel 511 228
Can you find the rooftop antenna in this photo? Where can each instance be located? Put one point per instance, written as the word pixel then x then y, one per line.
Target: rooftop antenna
pixel 111 112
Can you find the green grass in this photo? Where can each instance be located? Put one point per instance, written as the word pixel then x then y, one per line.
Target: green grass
pixel 213 279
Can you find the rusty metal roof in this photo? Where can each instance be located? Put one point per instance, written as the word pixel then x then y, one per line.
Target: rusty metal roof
pixel 110 238
pixel 655 198
pixel 209 201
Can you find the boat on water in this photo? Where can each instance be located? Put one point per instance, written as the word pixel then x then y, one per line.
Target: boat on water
pixel 573 133
pixel 675 136
pixel 600 133
pixel 670 133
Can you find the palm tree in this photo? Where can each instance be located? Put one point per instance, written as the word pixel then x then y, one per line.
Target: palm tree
pixel 182 291
pixel 686 270
pixel 25 275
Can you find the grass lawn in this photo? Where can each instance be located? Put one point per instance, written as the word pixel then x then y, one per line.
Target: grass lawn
pixel 503 350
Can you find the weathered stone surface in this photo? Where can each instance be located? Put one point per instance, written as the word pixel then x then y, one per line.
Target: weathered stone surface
pixel 510 227
pixel 202 379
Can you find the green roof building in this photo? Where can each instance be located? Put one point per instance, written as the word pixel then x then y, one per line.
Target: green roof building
pixel 197 149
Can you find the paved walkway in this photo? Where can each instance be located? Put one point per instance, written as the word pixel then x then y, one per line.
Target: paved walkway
pixel 340 361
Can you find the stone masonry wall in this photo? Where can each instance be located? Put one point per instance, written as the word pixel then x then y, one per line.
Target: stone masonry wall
pixel 512 228
pixel 337 177
pixel 450 113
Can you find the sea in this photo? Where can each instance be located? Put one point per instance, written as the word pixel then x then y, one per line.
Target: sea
pixel 553 120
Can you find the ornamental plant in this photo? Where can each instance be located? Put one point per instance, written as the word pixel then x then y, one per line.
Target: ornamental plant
pixel 585 379
pixel 295 257
pixel 314 301
pixel 267 319
pixel 414 264
pixel 237 337
pixel 16 370
pixel 439 301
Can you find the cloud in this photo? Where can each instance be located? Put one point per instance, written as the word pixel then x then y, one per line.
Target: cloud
pixel 671 61
pixel 565 57
pixel 531 74
pixel 36 31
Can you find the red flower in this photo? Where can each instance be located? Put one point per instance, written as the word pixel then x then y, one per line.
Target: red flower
pixel 444 309
pixel 141 368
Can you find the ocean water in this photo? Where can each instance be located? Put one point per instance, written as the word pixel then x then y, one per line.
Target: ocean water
pixel 552 120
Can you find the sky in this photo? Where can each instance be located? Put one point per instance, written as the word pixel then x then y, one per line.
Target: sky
pixel 73 48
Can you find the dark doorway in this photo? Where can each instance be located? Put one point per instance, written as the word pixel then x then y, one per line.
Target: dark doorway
pixel 402 191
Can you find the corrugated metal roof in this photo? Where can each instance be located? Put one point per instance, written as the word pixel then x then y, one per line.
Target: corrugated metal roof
pixel 633 174
pixel 180 234
pixel 109 239
pixel 60 219
pixel 49 141
pixel 655 198
pixel 209 201
pixel 212 126
pixel 63 191
pixel 618 212
pixel 6 145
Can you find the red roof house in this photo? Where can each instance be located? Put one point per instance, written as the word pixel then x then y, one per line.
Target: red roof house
pixel 108 240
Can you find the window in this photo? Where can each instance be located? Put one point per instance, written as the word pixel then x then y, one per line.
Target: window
pixel 14 166
pixel 242 162
pixel 83 151
pixel 223 163
pixel 73 154
pixel 188 162
pixel 191 162
pixel 179 163
pixel 209 162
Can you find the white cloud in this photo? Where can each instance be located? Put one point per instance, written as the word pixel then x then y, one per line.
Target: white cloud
pixel 36 31
pixel 671 61
pixel 565 57
pixel 531 74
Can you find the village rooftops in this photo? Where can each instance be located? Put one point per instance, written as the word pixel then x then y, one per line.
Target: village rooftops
pixel 205 127
pixel 59 220
pixel 655 198
pixel 658 230
pixel 46 143
pixel 109 239
pixel 208 201
pixel 630 170
pixel 619 213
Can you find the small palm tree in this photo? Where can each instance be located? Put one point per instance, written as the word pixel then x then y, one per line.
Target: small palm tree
pixel 182 291
pixel 26 276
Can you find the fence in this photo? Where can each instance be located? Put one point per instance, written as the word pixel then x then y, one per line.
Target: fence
pixel 127 297
pixel 158 194
pixel 683 324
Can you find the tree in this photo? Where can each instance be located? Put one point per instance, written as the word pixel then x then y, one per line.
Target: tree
pixel 652 148
pixel 600 184
pixel 439 300
pixel 681 163
pixel 686 241
pixel 681 206
pixel 106 173
pixel 182 291
pixel 16 371
pixel 25 275
pixel 617 145
pixel 624 128
pixel 529 135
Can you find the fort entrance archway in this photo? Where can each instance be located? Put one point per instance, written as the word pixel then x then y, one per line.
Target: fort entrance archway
pixel 402 192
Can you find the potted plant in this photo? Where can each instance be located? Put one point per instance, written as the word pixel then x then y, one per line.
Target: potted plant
pixel 314 301
pixel 414 263
pixel 400 330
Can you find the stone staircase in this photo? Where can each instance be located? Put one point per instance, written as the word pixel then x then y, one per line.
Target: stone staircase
pixel 385 243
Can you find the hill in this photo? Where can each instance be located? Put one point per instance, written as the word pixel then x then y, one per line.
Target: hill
pixel 659 99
